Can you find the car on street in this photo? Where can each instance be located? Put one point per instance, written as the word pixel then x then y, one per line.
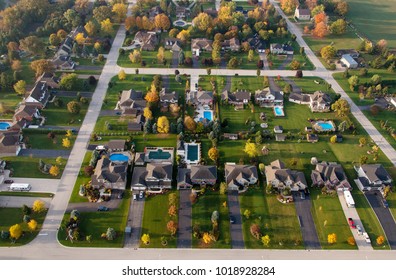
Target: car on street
pixel 385 203
pixel 232 220
pixel 366 237
pixel 8 181
pixel 351 223
pixel 103 208
pixel 141 194
pixel 359 230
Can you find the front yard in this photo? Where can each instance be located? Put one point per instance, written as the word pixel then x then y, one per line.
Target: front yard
pixel 28 167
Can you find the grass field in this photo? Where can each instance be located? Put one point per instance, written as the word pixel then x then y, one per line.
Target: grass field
pixel 277 220
pixel 201 215
pixel 12 216
pixel 155 218
pixel 60 116
pixel 41 141
pixel 81 180
pixel 375 19
pixel 95 223
pixel 28 167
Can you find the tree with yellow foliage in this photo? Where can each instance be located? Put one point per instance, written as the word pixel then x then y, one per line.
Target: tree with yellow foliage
pixel 15 231
pixel 152 95
pixel 54 170
pixel 38 206
pixel 331 238
pixel 106 26
pixel 213 154
pixel 130 23
pixel 135 56
pixel 206 238
pixel 163 125
pixel 183 35
pixel 32 225
pixel 120 11
pixel 162 21
pixel 97 46
pixel 251 149
pixel 288 6
pixel 66 142
pixel 80 39
pixel 265 240
pixel 91 28
pixel 147 113
pixel 380 240
pixel 121 75
pixel 146 239
pixel 69 133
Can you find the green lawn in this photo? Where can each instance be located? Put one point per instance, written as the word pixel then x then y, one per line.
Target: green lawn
pixel 28 167
pixel 60 116
pixel 375 19
pixel 330 218
pixel 81 180
pixel 95 223
pixel 88 61
pixel 36 140
pixel 12 216
pixel 155 218
pixel 150 57
pixel 277 220
pixel 9 100
pixel 26 194
pixel 201 215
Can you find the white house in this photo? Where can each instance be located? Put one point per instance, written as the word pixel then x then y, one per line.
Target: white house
pixel 372 177
pixel 281 49
pixel 239 177
pixel 349 62
pixel 302 14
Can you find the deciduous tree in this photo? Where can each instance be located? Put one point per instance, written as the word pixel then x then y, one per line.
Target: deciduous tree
pixel 189 123
pixel 15 231
pixel 162 21
pixel 91 28
pixel 69 81
pixel 106 26
pixel 66 143
pixel 151 96
pixel 147 113
pixel 362 141
pixel 172 210
pixel 351 241
pixel 101 13
pixel 32 44
pixel 146 239
pixel 163 124
pixel 32 224
pixel 121 75
pixel 341 107
pixel 80 39
pixel 251 149
pixel 54 171
pixel 203 22
pixel 341 8
pixel 20 87
pixel 333 139
pixel 42 65
pixel 161 55
pixel 183 35
pixel 320 30
pixel 288 6
pixel 295 64
pixel 38 206
pixel 265 240
pixel 213 154
pixel 135 56
pixel 255 231
pixel 54 39
pixel 380 240
pixel 120 11
pixel 353 82
pixel 331 238
pixel 328 52
pixel 172 227
pixel 16 65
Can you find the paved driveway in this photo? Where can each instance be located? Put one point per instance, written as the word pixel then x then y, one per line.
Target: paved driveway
pixel 235 228
pixel 39 153
pixel 135 218
pixel 296 88
pixel 384 216
pixel 64 93
pixel 286 62
pixel 184 239
pixel 308 229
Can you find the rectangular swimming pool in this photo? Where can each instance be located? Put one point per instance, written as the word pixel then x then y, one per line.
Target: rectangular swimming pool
pixel 192 152
pixel 278 111
pixel 208 115
pixel 159 154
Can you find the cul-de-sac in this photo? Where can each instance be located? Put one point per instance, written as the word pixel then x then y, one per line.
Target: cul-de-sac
pixel 139 128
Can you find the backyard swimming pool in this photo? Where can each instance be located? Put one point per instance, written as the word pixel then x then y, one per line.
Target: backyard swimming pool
pixel 193 153
pixel 4 125
pixel 159 154
pixel 118 157
pixel 278 111
pixel 324 126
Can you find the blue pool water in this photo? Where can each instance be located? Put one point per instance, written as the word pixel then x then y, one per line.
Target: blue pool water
pixel 279 111
pixel 4 125
pixel 208 115
pixel 326 126
pixel 118 157
pixel 179 23
pixel 192 152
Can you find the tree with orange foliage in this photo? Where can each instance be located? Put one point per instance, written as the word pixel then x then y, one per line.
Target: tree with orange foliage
pixel 321 17
pixel 130 23
pixel 152 95
pixel 320 30
pixel 162 21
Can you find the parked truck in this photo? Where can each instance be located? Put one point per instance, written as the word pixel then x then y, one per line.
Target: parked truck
pixel 20 187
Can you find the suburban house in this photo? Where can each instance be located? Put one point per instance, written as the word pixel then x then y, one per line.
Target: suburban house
pixel 330 175
pixel 10 143
pixel 268 98
pixel 320 102
pixel 182 12
pixel 281 49
pixel 239 177
pixel 147 40
pixel 200 97
pixel 19 125
pixel 62 59
pixel 154 11
pixel 154 177
pixel 27 111
pixel 352 52
pixel 173 44
pixel 237 98
pixel 372 177
pixel 39 94
pixel 63 62
pixel 256 44
pixel 109 174
pixel 299 98
pixel 302 14
pixel 66 48
pixel 131 99
pixel 196 175
pixel 278 129
pixel 280 137
pixel 312 138
pixel 281 177
pixel 201 45
pixel 50 79
pixel 232 44
pixel 168 97
pixel 230 136
pixel 116 146
pixel 349 61
pixel 140 159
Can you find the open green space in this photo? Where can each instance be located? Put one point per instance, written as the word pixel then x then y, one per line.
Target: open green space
pixel 12 216
pixel 95 223
pixel 81 180
pixel 374 19
pixel 155 218
pixel 201 215
pixel 60 116
pixel 28 167
pixel 37 140
pixel 149 57
pixel 9 100
pixel 277 220
pixel 330 218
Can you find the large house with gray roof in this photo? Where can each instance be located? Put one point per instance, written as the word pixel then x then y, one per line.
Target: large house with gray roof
pixel 268 98
pixel 237 98
pixel 132 99
pixel 147 40
pixel 196 175
pixel 330 175
pixel 372 177
pixel 201 97
pixel 109 174
pixel 281 177
pixel 154 177
pixel 201 45
pixel 239 177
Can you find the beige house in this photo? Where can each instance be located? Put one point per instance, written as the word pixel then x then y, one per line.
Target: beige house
pixel 281 177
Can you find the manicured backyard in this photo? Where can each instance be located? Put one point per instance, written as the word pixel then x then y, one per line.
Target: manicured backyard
pixel 28 167
pixel 60 116
pixel 39 140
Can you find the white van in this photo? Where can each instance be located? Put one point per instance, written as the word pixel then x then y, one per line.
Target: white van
pixel 20 187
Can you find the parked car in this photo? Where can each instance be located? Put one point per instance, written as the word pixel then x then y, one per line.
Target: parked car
pixel 232 219
pixel 141 194
pixel 103 208
pixel 120 195
pixel 351 223
pixel 302 195
pixel 385 203
pixel 366 237
pixel 8 181
pixel 134 197
pixel 359 230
